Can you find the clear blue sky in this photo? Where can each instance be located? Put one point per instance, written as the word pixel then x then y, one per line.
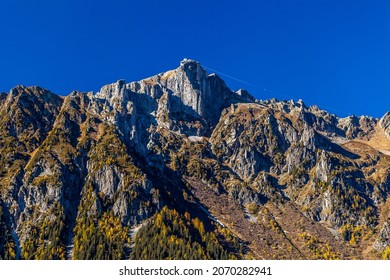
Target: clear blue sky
pixel 332 53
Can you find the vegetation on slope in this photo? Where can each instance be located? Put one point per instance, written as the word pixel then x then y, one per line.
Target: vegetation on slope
pixel 170 235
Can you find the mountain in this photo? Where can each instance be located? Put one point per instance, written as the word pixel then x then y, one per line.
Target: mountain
pixel 178 166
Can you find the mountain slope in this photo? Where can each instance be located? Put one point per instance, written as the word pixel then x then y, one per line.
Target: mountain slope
pixel 181 155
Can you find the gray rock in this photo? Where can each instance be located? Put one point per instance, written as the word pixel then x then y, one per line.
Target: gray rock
pixel 385 124
pixel 383 239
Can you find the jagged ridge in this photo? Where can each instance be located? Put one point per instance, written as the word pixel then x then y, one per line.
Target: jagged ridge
pixel 269 179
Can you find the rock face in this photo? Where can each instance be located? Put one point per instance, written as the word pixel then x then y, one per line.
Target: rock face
pixel 78 174
pixel 383 240
pixel 192 100
pixel 385 124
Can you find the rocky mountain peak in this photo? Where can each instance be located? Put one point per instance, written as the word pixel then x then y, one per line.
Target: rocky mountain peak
pixel 188 61
pixel 245 95
pixel 190 65
pixel 187 96
pixel 31 90
pixel 207 94
pixel 26 96
pixel 193 71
